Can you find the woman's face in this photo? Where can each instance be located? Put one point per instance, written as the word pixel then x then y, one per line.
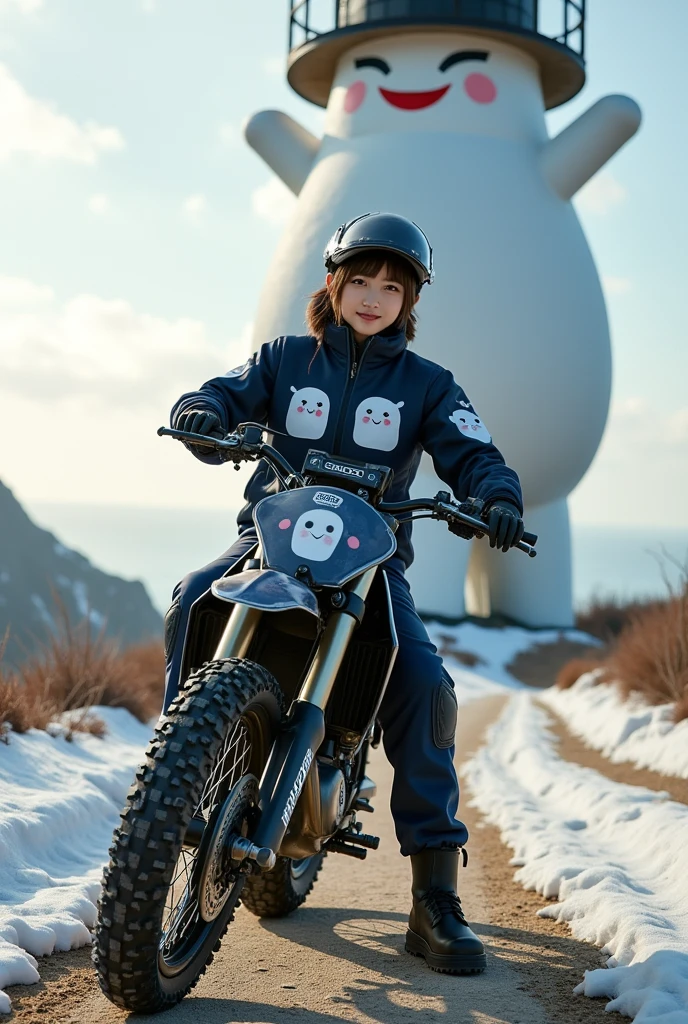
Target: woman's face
pixel 369 304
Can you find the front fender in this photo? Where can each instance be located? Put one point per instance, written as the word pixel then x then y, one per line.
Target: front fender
pixel 267 589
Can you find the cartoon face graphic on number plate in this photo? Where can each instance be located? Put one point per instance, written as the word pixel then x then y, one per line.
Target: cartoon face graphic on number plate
pixel 377 424
pixel 470 425
pixel 308 412
pixel 316 534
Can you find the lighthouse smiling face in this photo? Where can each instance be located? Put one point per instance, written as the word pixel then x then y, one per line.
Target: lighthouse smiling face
pixel 437 82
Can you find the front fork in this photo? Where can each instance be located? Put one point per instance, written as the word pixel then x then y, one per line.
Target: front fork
pixel 293 753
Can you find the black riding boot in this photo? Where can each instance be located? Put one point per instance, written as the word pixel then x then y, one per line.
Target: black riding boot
pixel 437 928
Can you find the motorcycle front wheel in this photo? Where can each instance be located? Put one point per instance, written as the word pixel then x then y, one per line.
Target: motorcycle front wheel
pixel 169 893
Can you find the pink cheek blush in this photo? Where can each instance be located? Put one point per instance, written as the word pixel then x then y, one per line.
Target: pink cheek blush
pixel 285 524
pixel 465 426
pixel 388 423
pixel 300 409
pixel 354 97
pixel 305 533
pixel 366 419
pixel 354 542
pixel 328 541
pixel 480 88
pixel 319 412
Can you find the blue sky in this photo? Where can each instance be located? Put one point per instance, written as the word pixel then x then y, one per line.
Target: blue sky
pixel 136 225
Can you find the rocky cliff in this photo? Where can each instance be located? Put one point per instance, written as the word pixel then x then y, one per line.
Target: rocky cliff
pixel 38 575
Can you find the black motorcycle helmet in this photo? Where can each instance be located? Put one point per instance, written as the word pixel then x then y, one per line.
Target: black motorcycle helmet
pixel 382 231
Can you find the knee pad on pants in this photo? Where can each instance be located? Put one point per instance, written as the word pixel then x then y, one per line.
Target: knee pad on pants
pixel 445 711
pixel 172 617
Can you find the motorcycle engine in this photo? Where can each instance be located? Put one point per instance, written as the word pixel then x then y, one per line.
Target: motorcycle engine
pixel 318 813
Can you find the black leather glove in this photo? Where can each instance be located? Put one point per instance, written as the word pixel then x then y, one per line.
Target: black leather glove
pixel 504 524
pixel 199 421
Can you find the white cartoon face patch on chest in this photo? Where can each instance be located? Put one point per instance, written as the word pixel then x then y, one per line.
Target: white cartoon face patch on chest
pixel 308 412
pixel 377 424
pixel 317 534
pixel 469 424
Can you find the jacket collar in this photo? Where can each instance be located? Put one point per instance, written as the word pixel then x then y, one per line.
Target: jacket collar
pixel 379 349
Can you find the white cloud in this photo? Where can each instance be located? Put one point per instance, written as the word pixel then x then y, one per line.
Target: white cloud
pixel 95 378
pixel 100 351
pixel 638 476
pixel 98 203
pixel 34 126
pixel 18 291
pixel 273 201
pixel 601 194
pixel 194 207
pixel 615 285
pixel 23 6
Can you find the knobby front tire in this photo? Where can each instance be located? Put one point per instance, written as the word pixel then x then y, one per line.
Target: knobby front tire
pixel 151 943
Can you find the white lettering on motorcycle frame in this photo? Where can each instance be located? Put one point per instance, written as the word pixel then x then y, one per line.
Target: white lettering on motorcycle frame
pixel 298 786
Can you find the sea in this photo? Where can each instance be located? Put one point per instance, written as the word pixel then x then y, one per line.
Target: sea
pixel 160 545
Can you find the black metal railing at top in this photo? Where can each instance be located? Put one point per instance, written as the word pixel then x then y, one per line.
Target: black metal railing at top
pixel 310 19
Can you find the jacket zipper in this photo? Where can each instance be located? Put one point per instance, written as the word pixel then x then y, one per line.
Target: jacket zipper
pixel 354 367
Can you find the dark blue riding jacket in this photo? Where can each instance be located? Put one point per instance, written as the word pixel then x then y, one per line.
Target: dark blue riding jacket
pixel 381 403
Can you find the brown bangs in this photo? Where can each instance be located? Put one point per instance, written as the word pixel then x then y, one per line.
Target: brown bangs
pixel 325 306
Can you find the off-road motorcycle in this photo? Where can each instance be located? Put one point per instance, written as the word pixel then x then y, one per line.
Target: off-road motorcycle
pixel 258 769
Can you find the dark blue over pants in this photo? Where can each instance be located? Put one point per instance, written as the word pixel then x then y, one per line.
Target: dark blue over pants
pixel 425 791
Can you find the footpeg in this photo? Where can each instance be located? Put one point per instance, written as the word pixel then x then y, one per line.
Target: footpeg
pixel 361 839
pixel 335 846
pixel 243 849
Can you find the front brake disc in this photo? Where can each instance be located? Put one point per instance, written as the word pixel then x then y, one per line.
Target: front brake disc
pixel 215 881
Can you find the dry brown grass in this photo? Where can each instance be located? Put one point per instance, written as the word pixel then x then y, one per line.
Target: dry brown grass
pixel 75 671
pixel 607 617
pixel 649 653
pixel 574 669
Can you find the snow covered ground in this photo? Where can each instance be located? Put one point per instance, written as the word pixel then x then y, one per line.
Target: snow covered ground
pixel 495 649
pixel 623 730
pixel 59 804
pixel 613 856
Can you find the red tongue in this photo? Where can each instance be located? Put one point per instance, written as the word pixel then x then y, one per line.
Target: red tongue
pixel 413 100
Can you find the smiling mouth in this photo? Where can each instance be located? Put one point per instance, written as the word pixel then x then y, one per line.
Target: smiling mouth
pixel 316 537
pixel 369 316
pixel 413 100
pixel 310 411
pixel 376 422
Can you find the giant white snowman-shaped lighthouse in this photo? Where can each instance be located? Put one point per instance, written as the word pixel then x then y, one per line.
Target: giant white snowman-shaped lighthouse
pixel 435 110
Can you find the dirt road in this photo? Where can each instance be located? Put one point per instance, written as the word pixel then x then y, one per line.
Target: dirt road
pixel 341 957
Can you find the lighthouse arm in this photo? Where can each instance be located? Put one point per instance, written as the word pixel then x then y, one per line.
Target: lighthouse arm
pixel 572 157
pixel 285 146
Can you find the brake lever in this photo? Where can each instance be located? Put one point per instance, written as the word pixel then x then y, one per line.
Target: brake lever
pixel 453 511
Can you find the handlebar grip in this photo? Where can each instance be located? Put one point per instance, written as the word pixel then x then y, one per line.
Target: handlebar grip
pixel 529 538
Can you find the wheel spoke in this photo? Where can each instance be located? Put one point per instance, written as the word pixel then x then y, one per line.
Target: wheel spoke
pixel 181 913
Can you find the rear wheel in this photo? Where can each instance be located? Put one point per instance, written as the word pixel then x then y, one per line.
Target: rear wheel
pixel 278 892
pixel 169 891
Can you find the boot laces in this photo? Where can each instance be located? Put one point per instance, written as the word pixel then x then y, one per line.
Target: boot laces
pixel 441 902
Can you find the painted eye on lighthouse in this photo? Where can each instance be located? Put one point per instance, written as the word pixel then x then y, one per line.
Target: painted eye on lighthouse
pixel 309 524
pixel 304 402
pixel 373 62
pixel 462 55
pixel 319 404
pixel 330 529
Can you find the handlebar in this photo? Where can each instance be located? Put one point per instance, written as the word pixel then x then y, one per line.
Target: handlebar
pixel 247 445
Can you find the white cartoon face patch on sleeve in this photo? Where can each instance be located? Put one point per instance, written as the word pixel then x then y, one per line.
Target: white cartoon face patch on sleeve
pixel 377 424
pixel 469 424
pixel 316 534
pixel 308 412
